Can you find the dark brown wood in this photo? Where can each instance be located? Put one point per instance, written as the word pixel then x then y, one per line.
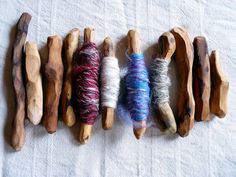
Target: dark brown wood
pixel 54 77
pixel 70 45
pixel 166 48
pixel 219 87
pixel 18 130
pixel 184 61
pixel 201 79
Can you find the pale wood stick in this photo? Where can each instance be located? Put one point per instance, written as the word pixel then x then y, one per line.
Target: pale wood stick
pixel 108 113
pixel 201 79
pixel 184 61
pixel 139 127
pixel 219 87
pixel 166 48
pixel 18 130
pixel 54 76
pixel 86 129
pixel 70 45
pixel 34 89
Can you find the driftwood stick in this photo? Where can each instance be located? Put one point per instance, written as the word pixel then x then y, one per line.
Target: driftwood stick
pixel 139 127
pixel 70 45
pixel 184 61
pixel 54 76
pixel 166 48
pixel 34 89
pixel 219 87
pixel 108 112
pixel 86 129
pixel 201 79
pixel 18 130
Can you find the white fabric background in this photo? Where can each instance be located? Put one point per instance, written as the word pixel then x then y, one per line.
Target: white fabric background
pixel 209 150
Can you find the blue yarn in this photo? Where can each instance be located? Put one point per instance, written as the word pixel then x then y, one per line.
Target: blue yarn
pixel 137 87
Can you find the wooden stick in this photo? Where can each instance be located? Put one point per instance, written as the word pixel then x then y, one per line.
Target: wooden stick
pixel 34 89
pixel 86 129
pixel 219 87
pixel 166 48
pixel 70 45
pixel 139 127
pixel 54 76
pixel 184 61
pixel 108 112
pixel 18 130
pixel 201 79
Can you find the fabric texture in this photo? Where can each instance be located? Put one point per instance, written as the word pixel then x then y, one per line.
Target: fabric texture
pixel 210 148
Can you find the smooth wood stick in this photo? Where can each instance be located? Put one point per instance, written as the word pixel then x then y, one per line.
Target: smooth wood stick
pixel 34 89
pixel 108 113
pixel 86 129
pixel 18 130
pixel 70 45
pixel 219 87
pixel 54 76
pixel 201 79
pixel 139 127
pixel 166 48
pixel 184 61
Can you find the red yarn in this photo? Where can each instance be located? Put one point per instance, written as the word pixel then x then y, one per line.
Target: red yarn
pixel 86 75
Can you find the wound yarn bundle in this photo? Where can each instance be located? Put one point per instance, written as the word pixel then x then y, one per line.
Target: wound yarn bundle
pixel 160 81
pixel 110 82
pixel 86 75
pixel 137 87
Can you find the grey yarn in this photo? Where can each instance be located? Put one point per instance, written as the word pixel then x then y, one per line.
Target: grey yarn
pixel 160 81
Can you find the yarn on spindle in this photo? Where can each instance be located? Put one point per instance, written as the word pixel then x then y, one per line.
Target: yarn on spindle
pixel 137 87
pixel 85 76
pixel 110 81
pixel 160 81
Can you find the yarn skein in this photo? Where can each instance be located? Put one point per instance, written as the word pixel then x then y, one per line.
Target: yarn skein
pixel 86 75
pixel 110 82
pixel 137 85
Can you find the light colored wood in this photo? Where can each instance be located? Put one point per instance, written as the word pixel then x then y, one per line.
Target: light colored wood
pixel 86 129
pixel 34 89
pixel 18 129
pixel 54 76
pixel 139 128
pixel 70 46
pixel 201 79
pixel 184 61
pixel 166 48
pixel 219 87
pixel 108 112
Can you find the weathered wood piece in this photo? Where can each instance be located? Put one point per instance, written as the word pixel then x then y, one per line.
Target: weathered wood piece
pixel 54 77
pixel 70 46
pixel 184 61
pixel 18 130
pixel 219 87
pixel 166 48
pixel 201 79
pixel 34 89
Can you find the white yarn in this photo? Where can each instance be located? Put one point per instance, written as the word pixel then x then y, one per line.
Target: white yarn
pixel 160 80
pixel 110 82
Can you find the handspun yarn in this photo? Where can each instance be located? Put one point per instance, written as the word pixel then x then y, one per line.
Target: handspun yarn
pixel 137 87
pixel 85 77
pixel 160 81
pixel 110 81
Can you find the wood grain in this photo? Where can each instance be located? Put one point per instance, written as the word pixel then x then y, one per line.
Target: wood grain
pixel 34 89
pixel 201 79
pixel 219 87
pixel 18 130
pixel 70 46
pixel 184 61
pixel 54 77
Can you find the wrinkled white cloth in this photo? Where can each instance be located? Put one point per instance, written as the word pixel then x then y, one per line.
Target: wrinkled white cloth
pixel 209 150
